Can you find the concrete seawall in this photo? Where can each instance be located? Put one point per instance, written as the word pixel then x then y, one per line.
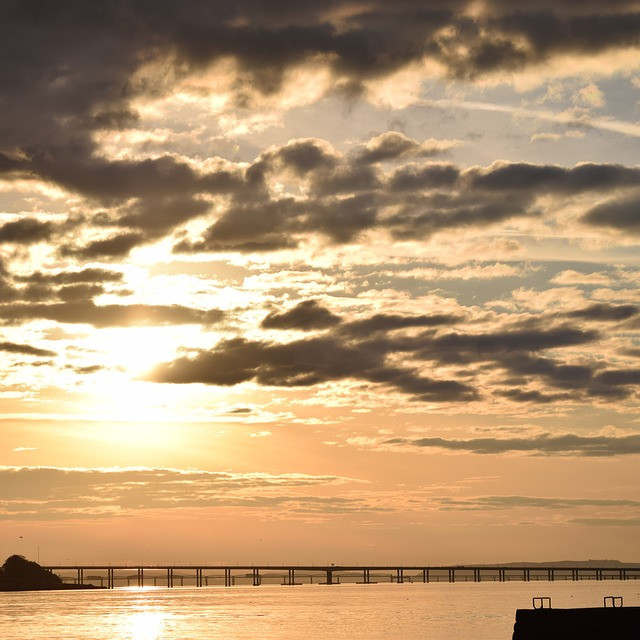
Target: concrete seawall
pixel 612 623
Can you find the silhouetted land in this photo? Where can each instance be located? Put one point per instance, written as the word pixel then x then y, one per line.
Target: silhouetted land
pixel 20 574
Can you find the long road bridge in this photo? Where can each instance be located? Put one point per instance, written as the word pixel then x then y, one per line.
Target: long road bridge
pixel 230 575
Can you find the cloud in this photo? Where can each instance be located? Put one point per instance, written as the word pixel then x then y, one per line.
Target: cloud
pixel 481 503
pixel 619 214
pixel 384 322
pixel 344 196
pixel 25 349
pixel 58 493
pixel 108 315
pixel 89 69
pixel 394 145
pixel 543 445
pixel 364 349
pixel 605 312
pixel 572 277
pixel 26 231
pixel 306 315
pixel 86 275
pixel 302 363
pixel 607 522
pixel 116 246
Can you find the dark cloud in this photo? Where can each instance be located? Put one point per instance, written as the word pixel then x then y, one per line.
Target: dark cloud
pixel 461 348
pixel 87 275
pixel 585 177
pixel 415 177
pixel 306 315
pixel 109 315
pixel 78 69
pixel 394 145
pixel 621 214
pixel 613 377
pixel 25 349
pixel 535 396
pixel 26 231
pixel 381 322
pixel 566 445
pixel 89 369
pixel 362 349
pixel 302 156
pixel 345 196
pixel 605 312
pixel 113 247
pixel 302 363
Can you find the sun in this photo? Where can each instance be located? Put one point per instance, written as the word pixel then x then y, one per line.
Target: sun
pixel 134 350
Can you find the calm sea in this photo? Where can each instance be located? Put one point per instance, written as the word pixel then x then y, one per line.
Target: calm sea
pixel 441 611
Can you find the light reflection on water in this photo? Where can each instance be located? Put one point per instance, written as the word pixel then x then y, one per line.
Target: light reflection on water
pixel 355 612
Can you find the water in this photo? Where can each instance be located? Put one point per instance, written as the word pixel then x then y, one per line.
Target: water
pixel 442 611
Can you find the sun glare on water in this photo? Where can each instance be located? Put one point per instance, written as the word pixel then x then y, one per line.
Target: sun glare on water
pixel 144 625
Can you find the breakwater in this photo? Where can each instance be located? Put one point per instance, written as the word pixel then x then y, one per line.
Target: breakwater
pixel 139 575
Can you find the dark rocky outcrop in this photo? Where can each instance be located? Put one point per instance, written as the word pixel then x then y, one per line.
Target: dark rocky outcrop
pixel 20 574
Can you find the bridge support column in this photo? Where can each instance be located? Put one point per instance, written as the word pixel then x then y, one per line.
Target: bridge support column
pixel 198 577
pixel 400 576
pixel 329 576
pixel 256 577
pixel 425 575
pixel 526 576
pixel 80 577
pixel 452 575
pixel 140 577
pixel 227 577
pixel 110 579
pixel 502 575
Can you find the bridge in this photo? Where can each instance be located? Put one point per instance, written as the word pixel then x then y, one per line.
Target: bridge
pixel 139 575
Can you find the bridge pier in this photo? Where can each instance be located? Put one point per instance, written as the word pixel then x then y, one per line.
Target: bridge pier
pixel 452 575
pixel 227 578
pixel 425 575
pixel 291 577
pixel 256 577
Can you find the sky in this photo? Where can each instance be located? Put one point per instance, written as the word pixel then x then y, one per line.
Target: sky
pixel 341 281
